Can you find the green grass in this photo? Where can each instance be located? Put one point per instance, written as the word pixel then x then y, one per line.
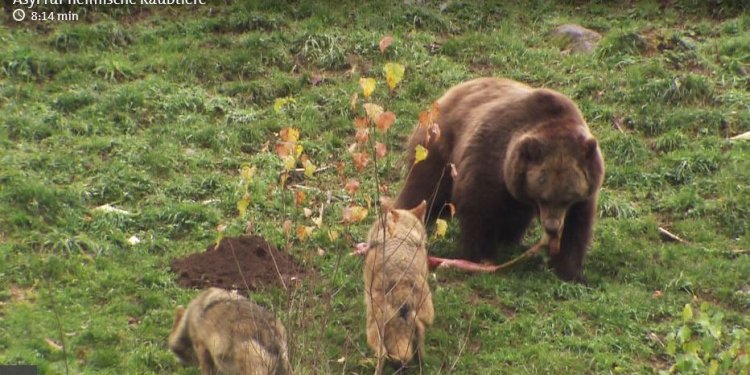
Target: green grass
pixel 155 110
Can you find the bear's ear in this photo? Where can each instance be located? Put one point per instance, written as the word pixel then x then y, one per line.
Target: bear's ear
pixel 531 149
pixel 589 148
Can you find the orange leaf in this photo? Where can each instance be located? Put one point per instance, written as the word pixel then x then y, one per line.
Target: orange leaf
pixel 385 43
pixel 290 135
pixel 360 122
pixel 361 160
pixel 362 135
pixel 287 226
pixel 380 150
pixel 352 185
pixel 304 232
pixel 284 149
pixel 299 198
pixel 385 120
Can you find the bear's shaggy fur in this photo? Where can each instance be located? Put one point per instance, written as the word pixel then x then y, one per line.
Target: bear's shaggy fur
pixel 519 153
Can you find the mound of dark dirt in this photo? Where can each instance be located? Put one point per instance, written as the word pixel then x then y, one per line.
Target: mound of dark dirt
pixel 262 265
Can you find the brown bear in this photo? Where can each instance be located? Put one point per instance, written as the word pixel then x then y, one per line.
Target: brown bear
pixel 519 153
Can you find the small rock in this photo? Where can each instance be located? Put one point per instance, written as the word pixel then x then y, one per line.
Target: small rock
pixel 576 38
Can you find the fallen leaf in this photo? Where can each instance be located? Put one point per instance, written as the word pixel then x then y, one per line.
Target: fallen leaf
pixel 284 149
pixel 354 214
pixel 394 73
pixel 368 86
pixel 352 185
pixel 303 232
pixel 385 120
pixel 420 153
pixel 321 252
pixel 287 226
pixel 289 162
pixel 289 134
pixel 280 103
pixel 333 235
pixel 309 168
pixel 385 43
pixel 380 150
pixel 299 198
pixel 441 226
pixel 307 212
pixel 657 294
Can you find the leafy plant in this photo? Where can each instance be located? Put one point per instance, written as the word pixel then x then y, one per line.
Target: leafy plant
pixel 705 344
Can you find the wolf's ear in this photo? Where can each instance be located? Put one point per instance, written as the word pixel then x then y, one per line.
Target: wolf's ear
pixel 420 210
pixel 386 204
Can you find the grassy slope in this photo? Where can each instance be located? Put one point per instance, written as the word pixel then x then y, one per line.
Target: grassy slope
pixel 155 112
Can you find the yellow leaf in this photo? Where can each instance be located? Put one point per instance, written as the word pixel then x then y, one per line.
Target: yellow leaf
pixel 243 203
pixel 289 162
pixel 394 73
pixel 333 235
pixel 290 135
pixel 298 149
pixel 440 227
pixel 353 214
pixel 309 168
pixel 373 111
pixel 368 86
pixel 280 103
pixel 304 232
pixel 247 172
pixel 420 153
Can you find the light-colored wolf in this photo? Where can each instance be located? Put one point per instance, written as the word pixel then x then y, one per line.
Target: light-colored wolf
pixel 397 295
pixel 225 333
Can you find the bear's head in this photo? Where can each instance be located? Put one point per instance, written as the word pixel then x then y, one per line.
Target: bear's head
pixel 552 168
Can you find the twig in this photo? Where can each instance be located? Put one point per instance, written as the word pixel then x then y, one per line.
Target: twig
pixel 669 236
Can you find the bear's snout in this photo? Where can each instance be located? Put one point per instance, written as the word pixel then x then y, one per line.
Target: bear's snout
pixel 552 227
